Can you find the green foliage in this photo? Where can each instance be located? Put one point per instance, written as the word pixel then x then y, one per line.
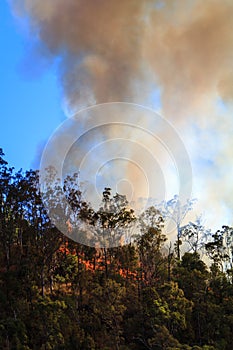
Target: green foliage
pixel 58 294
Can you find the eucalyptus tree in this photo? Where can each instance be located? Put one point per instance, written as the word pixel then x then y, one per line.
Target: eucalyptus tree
pixel 112 224
pixel 7 211
pixel 220 249
pixel 195 234
pixel 174 211
pixel 150 243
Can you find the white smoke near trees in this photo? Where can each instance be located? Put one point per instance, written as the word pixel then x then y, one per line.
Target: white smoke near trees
pixel 112 50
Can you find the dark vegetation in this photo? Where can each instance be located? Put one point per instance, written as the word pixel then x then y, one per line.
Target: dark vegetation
pixel 59 294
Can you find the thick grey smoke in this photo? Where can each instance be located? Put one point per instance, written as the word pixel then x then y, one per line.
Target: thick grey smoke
pixel 98 42
pixel 190 50
pixel 112 50
pixel 106 47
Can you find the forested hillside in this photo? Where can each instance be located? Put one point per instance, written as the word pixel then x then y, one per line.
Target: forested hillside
pixel 56 293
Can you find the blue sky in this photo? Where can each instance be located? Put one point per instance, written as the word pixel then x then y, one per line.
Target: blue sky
pixel 30 103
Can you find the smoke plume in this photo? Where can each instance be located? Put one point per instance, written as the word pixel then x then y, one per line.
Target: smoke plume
pixel 109 50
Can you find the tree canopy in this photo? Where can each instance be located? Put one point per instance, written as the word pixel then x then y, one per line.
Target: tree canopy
pixel 56 293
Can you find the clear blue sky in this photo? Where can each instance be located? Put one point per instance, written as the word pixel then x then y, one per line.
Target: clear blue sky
pixel 30 100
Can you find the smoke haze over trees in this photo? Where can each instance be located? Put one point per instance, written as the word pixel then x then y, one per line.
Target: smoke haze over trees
pixel 74 275
pixel 56 293
pixel 177 53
